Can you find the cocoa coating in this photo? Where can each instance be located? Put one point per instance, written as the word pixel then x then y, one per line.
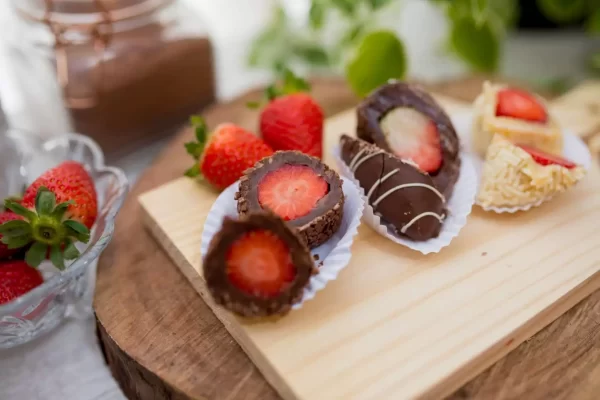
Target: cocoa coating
pixel 323 221
pixel 401 205
pixel 242 303
pixel 401 94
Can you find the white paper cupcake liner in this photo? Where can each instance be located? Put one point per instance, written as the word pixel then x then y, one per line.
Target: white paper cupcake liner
pixel 459 207
pixel 333 256
pixel 574 149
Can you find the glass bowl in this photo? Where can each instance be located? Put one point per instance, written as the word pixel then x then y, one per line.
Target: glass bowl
pixel 68 293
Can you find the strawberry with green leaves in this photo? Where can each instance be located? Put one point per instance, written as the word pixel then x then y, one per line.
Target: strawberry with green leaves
pixel 222 158
pixel 292 119
pixel 58 209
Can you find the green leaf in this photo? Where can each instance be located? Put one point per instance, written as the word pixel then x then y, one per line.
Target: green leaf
pixel 347 7
pixel 593 23
pixel 479 11
pixel 379 58
pixel 479 45
pixel 594 64
pixel 78 230
pixel 19 210
pixel 271 45
pixel 60 209
pixel 316 15
pixel 352 34
pixel 377 4
pixel 312 54
pixel 193 172
pixel 194 149
pixel 56 257
pixel 45 201
pixel 18 241
pixel 36 254
pixel 15 228
pixel 562 11
pixel 253 104
pixel 71 251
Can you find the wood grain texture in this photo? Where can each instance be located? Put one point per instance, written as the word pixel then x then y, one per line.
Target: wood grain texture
pixel 158 350
pixel 413 326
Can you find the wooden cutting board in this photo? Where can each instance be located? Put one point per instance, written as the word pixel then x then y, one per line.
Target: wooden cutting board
pixel 408 325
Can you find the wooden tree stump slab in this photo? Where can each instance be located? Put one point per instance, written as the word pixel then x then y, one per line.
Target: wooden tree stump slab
pixel 163 342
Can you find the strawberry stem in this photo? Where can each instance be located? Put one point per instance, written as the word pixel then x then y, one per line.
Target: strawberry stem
pixel 196 148
pixel 289 83
pixel 46 228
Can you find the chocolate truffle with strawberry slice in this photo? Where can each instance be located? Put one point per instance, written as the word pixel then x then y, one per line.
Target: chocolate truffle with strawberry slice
pixel 404 120
pixel 257 266
pixel 300 189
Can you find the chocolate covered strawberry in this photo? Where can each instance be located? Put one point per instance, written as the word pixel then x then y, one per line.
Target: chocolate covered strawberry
pixel 291 191
pixel 520 104
pixel 223 157
pixel 58 209
pixel 16 279
pixel 414 137
pixel 292 119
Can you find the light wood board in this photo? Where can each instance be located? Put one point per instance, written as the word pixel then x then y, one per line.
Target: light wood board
pixel 397 324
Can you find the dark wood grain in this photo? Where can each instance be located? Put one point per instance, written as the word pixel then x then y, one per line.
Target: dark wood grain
pixel 162 342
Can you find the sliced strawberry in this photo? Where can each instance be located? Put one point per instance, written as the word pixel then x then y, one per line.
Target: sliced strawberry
pixel 259 263
pixel 413 136
pixel 543 158
pixel 291 191
pixel 517 103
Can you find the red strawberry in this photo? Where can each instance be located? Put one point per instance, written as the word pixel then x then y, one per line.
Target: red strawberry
pixel 543 158
pixel 16 279
pixel 517 103
pixel 413 136
pixel 58 208
pixel 223 158
pixel 259 264
pixel 5 251
pixel 292 120
pixel 291 191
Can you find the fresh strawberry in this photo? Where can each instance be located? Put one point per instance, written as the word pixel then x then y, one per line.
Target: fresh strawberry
pixel 413 136
pixel 291 191
pixel 16 279
pixel 544 158
pixel 58 208
pixel 223 158
pixel 292 120
pixel 5 251
pixel 259 264
pixel 517 103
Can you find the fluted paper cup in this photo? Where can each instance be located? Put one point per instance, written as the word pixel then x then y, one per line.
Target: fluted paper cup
pixel 574 149
pixel 459 207
pixel 333 256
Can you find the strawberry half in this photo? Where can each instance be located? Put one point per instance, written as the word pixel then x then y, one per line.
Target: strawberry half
pixel 259 264
pixel 57 209
pixel 413 136
pixel 223 158
pixel 517 103
pixel 16 279
pixel 292 119
pixel 544 158
pixel 291 191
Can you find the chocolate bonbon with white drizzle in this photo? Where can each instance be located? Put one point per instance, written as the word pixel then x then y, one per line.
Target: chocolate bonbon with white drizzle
pixel 404 197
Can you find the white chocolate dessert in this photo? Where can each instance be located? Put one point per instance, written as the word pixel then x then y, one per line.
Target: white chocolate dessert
pixel 515 176
pixel 519 116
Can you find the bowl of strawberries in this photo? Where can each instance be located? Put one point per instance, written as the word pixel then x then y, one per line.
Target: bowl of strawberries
pixel 52 231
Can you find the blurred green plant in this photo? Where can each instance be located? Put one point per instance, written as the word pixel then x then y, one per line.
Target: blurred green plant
pixel 370 55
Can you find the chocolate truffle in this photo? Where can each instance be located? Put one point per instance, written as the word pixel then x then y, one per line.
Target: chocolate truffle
pixel 404 120
pixel 299 188
pixel 257 266
pixel 402 195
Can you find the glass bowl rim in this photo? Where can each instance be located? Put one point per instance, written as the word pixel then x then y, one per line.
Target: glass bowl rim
pixel 85 259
